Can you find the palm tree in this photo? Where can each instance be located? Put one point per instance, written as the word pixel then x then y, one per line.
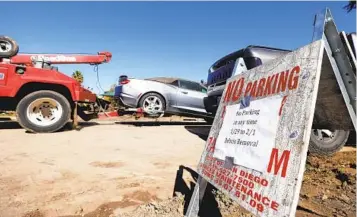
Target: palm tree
pixel 77 75
pixel 351 5
pixel 112 87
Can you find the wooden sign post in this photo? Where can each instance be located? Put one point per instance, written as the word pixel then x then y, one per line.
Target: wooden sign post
pixel 258 143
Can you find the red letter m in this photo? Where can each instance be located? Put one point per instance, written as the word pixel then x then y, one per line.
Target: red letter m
pixel 283 161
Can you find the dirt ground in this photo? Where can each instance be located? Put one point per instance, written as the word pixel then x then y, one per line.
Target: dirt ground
pixel 121 170
pixel 78 172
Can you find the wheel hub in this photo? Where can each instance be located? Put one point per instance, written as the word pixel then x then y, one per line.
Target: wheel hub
pixel 324 135
pixel 5 46
pixel 44 112
pixel 152 105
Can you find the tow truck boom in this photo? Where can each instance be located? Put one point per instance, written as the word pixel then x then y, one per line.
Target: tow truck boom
pixel 30 58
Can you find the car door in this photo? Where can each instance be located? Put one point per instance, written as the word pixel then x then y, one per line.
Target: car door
pixel 190 96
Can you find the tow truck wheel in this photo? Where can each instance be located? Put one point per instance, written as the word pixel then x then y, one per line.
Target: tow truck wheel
pixel 326 142
pixel 43 111
pixel 8 47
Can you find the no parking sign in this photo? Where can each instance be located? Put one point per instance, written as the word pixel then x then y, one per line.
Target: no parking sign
pixel 258 143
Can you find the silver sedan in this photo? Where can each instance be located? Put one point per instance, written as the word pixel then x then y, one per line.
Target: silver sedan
pixel 162 94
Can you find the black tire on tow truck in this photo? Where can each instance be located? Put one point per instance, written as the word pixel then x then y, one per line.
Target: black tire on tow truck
pixel 326 143
pixel 43 111
pixel 8 47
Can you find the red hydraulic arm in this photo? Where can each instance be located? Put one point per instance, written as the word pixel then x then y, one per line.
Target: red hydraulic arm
pixel 29 59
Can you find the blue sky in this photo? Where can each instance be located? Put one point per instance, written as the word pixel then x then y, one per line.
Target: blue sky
pixel 161 38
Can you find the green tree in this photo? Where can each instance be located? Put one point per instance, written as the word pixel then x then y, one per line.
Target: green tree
pixel 113 103
pixel 112 87
pixel 351 5
pixel 77 75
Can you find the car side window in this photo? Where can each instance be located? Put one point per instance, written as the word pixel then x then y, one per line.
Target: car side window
pixel 192 86
pixel 187 85
pixel 175 83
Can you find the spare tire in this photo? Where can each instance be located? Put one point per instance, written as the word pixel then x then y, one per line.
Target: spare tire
pixel 8 47
pixel 326 142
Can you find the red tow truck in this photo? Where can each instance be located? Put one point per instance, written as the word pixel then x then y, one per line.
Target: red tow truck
pixel 44 99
